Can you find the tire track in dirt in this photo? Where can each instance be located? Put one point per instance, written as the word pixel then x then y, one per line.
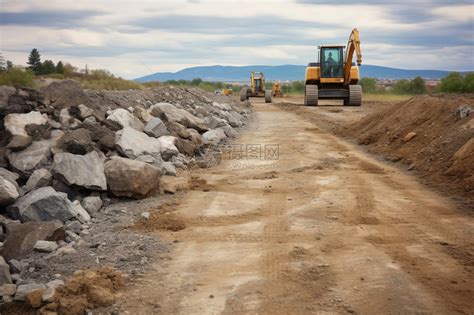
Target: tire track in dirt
pixel 328 230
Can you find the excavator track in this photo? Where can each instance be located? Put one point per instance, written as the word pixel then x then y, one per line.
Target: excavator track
pixel 268 96
pixel 355 96
pixel 243 94
pixel 311 95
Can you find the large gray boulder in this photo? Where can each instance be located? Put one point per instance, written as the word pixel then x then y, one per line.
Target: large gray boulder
pixel 43 204
pixel 125 119
pixel 168 147
pixel 169 112
pixel 81 170
pixel 132 143
pixel 156 128
pixel 15 123
pixel 213 137
pixel 8 192
pixel 37 155
pixel 131 178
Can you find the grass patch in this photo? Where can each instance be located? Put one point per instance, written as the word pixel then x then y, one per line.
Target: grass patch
pixel 17 78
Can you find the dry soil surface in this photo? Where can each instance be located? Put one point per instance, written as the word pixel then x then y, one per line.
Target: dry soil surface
pixel 321 228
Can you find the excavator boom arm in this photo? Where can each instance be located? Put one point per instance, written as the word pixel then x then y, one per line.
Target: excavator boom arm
pixel 353 45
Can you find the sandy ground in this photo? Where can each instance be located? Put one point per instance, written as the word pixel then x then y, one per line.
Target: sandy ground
pixel 309 224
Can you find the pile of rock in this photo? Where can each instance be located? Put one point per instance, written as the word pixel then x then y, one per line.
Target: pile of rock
pixel 64 152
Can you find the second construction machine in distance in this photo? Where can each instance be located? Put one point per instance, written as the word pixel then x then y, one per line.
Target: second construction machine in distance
pixel 335 76
pixel 256 89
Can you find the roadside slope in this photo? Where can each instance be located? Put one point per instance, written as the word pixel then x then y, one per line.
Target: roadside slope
pixel 427 134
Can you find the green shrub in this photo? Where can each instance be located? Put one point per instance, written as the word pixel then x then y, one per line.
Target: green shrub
pixel 457 83
pixel 415 86
pixel 110 84
pixel 17 77
pixel 369 85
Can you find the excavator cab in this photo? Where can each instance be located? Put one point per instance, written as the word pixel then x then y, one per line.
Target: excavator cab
pixel 331 61
pixel 258 81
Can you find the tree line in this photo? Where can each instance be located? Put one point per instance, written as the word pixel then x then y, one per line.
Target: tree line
pixel 454 82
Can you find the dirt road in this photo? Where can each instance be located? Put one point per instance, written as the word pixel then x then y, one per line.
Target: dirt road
pixel 319 228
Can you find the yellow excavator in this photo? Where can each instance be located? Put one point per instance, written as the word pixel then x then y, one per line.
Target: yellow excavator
pixel 257 88
pixel 335 76
pixel 276 90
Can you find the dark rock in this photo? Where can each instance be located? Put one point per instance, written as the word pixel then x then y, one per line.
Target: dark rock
pixel 38 132
pixel 64 93
pixel 78 141
pixel 22 237
pixel 186 146
pixel 104 137
pixel 19 142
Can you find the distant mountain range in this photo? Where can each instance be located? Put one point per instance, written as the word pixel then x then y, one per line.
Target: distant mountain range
pixel 283 73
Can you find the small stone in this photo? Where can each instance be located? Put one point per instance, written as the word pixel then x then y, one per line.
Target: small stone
pixel 48 295
pixel 92 204
pixel 7 289
pixel 45 246
pixel 145 215
pixel 409 136
pixel 35 298
pixel 72 236
pixel 66 250
pixel 23 289
pixel 167 168
pixel 81 214
pixel 74 226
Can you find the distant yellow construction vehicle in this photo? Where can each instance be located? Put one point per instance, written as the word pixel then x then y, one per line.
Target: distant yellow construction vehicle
pixel 334 76
pixel 257 88
pixel 225 92
pixel 276 90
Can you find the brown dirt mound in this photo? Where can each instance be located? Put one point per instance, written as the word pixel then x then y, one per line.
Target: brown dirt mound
pixel 160 221
pixel 426 133
pixel 87 289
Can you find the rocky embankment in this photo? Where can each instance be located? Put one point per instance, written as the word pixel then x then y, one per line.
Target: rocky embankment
pixel 67 153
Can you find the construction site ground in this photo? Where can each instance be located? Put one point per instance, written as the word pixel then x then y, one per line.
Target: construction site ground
pixel 309 222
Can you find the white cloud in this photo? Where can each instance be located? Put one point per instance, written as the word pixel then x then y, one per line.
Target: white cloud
pixel 270 32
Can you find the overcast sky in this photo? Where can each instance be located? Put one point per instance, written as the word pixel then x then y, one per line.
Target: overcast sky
pixel 135 38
